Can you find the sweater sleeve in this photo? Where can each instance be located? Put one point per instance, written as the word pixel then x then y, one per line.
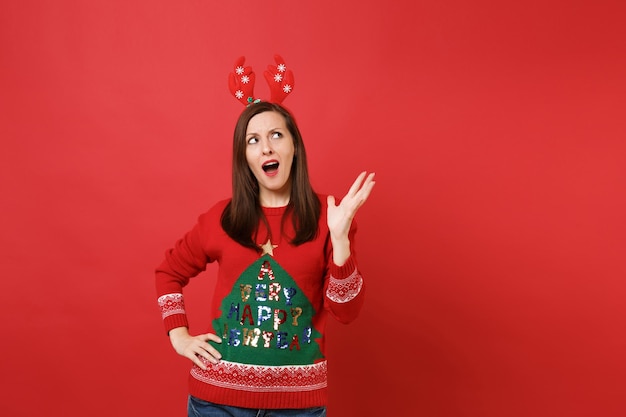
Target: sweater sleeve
pixel 344 287
pixel 182 262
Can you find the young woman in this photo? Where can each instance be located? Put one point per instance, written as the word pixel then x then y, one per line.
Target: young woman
pixel 286 260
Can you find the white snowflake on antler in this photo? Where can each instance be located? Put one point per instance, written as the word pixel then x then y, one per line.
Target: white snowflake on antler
pixel 281 67
pixel 239 94
pixel 278 78
pixel 287 88
pixel 245 79
pixel 239 70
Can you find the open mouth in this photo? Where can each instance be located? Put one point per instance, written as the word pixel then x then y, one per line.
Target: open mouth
pixel 271 166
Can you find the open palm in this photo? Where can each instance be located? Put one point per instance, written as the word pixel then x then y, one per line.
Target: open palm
pixel 340 216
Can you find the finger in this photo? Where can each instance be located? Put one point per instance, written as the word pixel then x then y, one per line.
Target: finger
pixel 367 181
pixel 213 337
pixel 366 190
pixel 196 354
pixel 205 356
pixel 368 184
pixel 360 190
pixel 197 360
pixel 357 183
pixel 362 195
pixel 215 355
pixel 331 201
pixel 205 351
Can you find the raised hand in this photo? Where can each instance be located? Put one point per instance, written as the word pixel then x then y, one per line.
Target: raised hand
pixel 339 217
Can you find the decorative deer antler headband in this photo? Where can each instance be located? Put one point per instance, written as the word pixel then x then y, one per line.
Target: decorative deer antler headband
pixel 279 78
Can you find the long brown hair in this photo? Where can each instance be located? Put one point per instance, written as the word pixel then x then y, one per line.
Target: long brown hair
pixel 241 217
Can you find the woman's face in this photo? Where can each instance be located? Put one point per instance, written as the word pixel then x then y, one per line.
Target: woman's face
pixel 270 152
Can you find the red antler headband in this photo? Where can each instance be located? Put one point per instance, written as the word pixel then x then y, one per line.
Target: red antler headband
pixel 279 78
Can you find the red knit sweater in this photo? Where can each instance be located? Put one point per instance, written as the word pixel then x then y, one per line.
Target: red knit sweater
pixel 269 309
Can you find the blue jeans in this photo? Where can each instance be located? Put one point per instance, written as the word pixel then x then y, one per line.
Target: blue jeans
pixel 200 408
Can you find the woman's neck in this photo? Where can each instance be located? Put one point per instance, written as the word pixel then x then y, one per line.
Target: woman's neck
pixel 274 199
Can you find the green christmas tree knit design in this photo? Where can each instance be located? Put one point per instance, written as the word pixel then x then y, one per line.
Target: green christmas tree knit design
pixel 266 319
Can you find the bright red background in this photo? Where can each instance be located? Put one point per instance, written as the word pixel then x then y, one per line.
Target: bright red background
pixel 493 244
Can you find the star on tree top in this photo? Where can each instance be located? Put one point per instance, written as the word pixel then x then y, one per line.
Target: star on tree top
pixel 268 248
